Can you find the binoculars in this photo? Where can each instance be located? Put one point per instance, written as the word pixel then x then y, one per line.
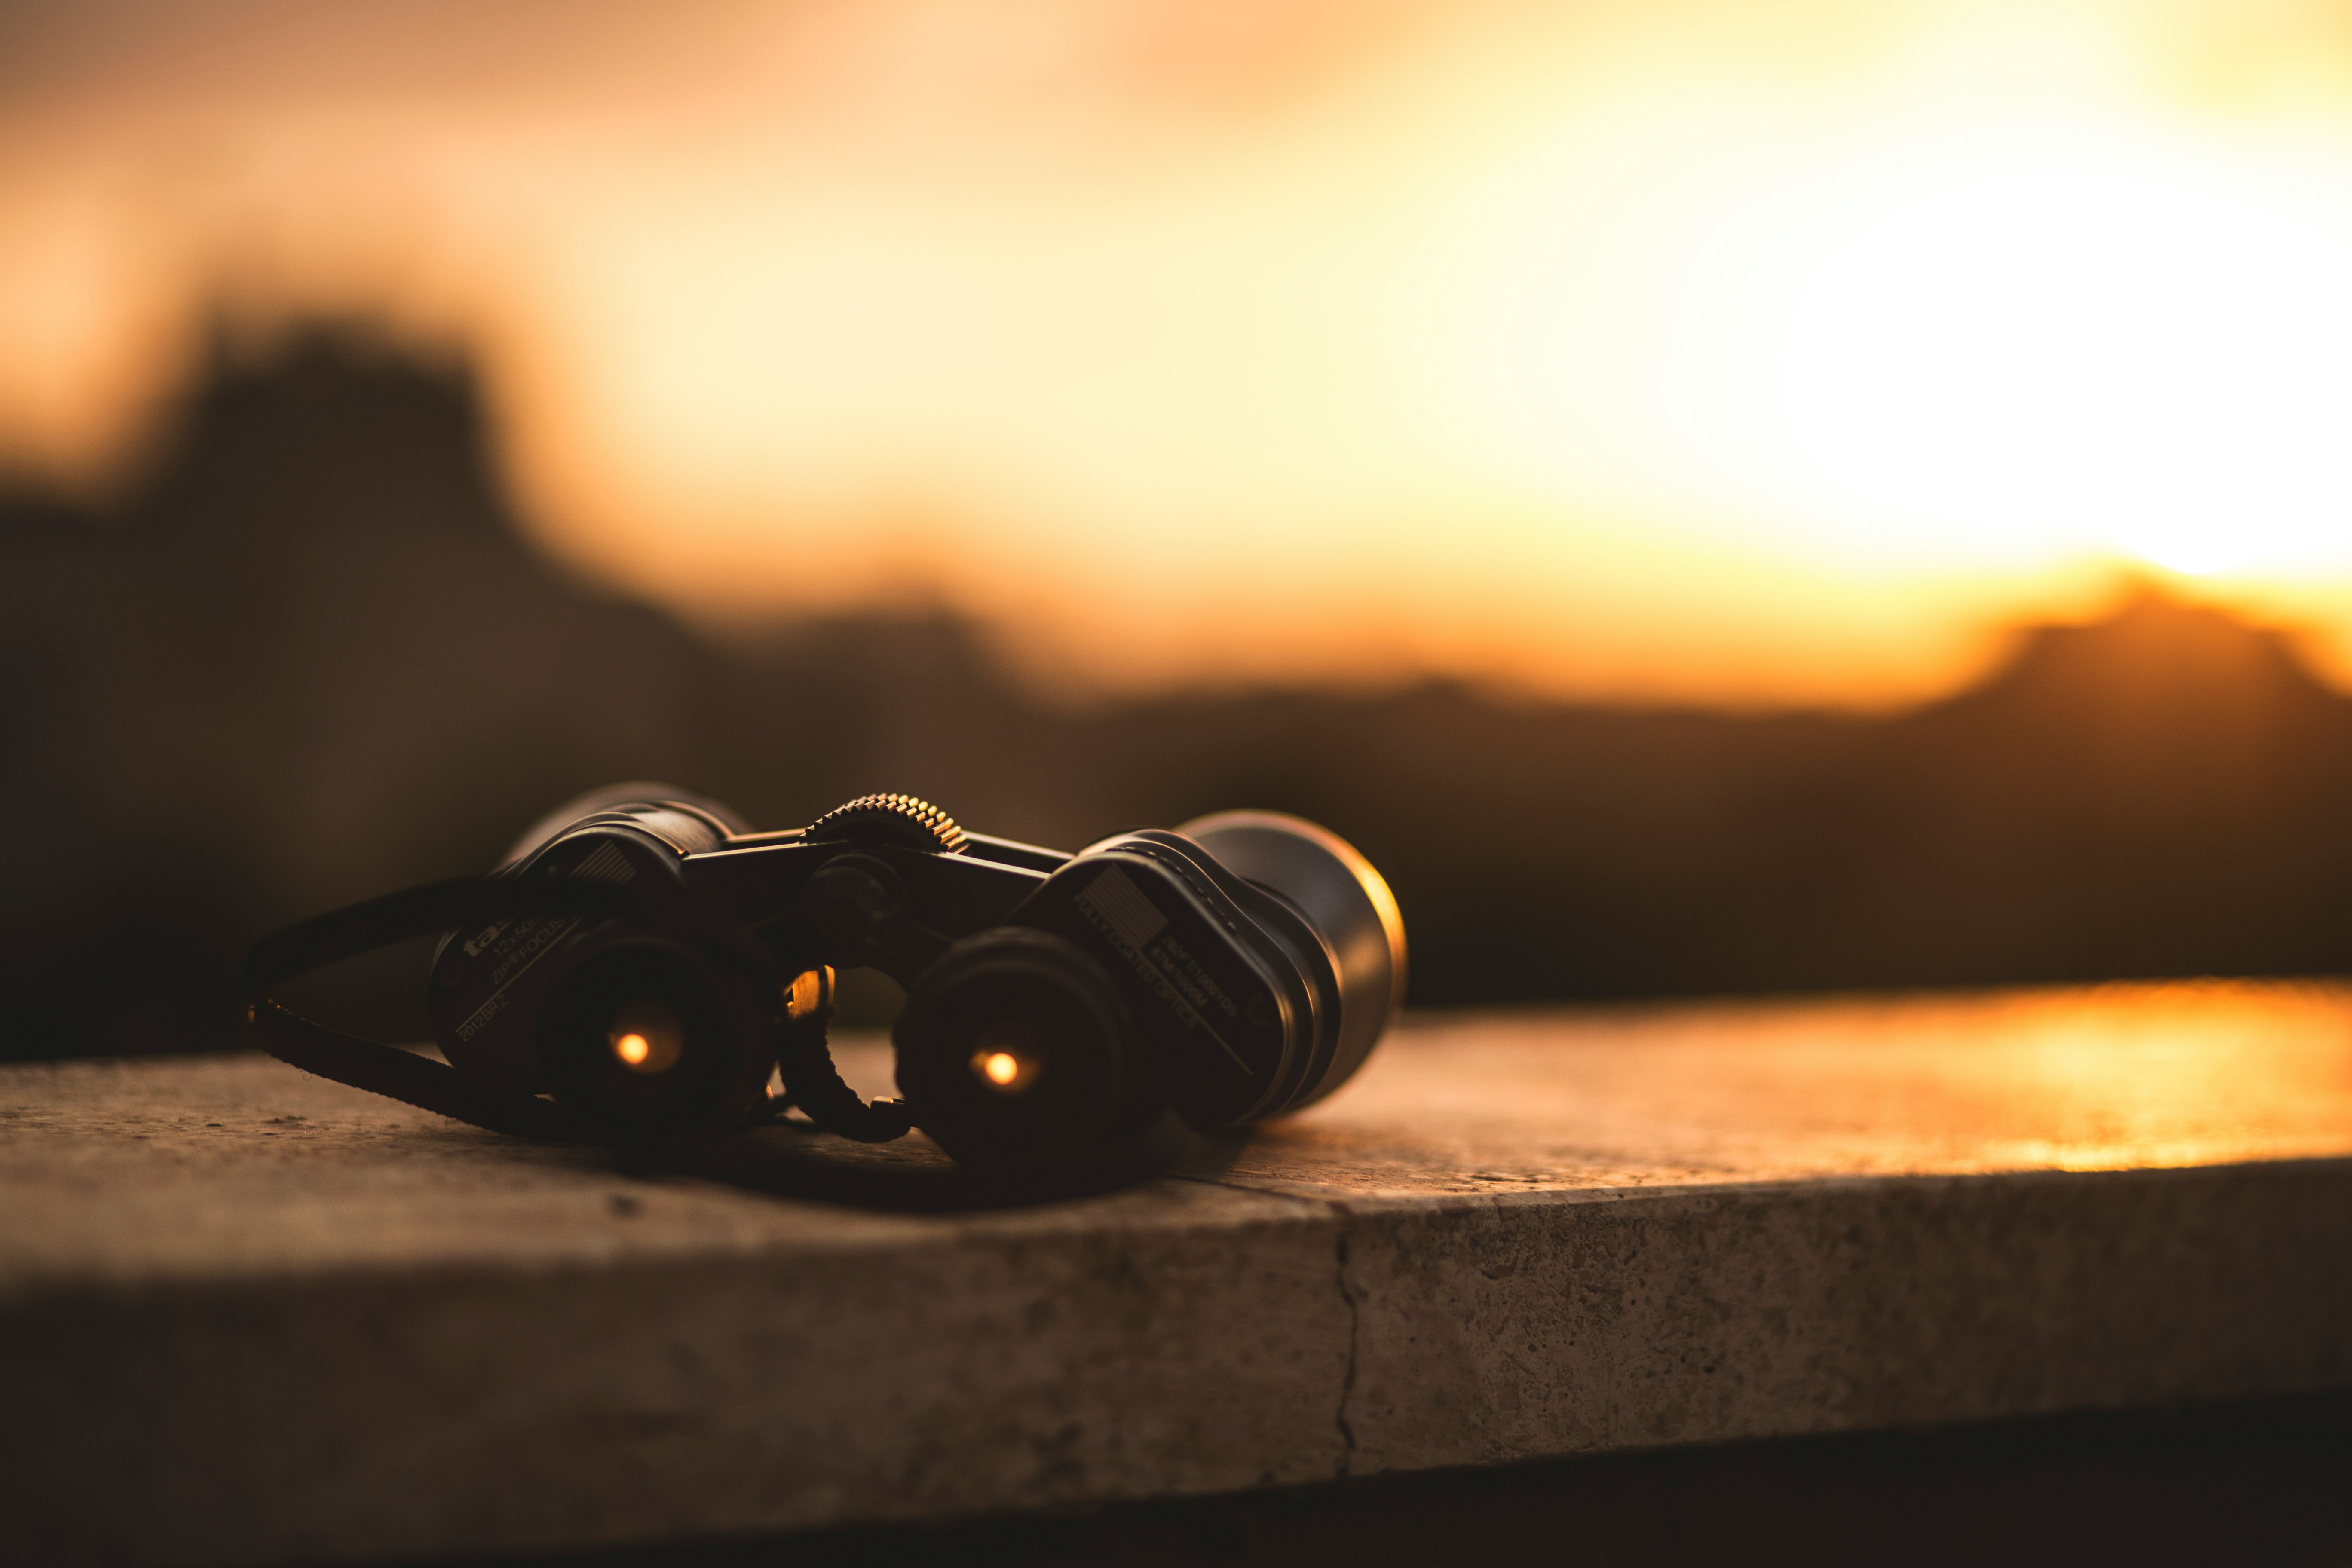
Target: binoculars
pixel 655 968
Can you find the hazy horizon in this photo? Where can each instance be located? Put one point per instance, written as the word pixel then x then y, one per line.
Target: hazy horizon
pixel 1681 354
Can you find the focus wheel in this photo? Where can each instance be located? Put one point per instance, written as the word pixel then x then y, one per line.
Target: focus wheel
pixel 893 819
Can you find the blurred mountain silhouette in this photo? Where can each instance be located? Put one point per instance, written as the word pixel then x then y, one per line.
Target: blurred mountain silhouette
pixel 311 657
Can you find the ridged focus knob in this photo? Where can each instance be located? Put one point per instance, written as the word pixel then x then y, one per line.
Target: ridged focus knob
pixel 896 819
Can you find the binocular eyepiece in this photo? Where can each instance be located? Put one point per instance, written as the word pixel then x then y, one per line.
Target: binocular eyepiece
pixel 655 967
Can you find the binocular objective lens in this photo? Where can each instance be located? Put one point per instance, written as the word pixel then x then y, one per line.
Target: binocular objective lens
pixel 646 1036
pixel 1008 1055
pixel 1323 878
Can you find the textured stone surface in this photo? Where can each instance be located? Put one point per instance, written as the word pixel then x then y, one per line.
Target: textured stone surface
pixel 253 1316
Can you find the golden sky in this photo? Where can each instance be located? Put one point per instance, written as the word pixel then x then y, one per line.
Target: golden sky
pixel 1686 350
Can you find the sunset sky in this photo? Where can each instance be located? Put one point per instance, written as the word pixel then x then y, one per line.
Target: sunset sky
pixel 1688 350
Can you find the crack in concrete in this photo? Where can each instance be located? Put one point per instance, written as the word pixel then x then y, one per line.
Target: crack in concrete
pixel 1346 1294
pixel 1347 1380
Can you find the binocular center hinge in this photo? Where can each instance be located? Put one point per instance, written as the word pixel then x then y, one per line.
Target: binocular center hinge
pixel 854 911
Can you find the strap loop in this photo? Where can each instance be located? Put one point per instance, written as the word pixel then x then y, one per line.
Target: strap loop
pixel 405 1076
pixel 814 1079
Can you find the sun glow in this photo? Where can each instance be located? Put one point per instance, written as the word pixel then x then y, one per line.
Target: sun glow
pixel 2089 341
pixel 1959 342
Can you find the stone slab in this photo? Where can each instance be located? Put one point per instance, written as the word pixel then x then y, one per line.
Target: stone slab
pixel 251 1316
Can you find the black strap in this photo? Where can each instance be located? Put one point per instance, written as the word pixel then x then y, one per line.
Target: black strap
pixel 388 1070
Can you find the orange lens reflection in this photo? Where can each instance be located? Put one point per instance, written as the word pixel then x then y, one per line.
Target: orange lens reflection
pixel 646 1037
pixel 1007 1057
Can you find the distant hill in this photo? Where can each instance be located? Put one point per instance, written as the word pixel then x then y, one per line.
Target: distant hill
pixel 311 657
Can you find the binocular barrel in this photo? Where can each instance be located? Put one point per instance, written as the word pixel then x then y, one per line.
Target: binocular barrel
pixel 1058 1006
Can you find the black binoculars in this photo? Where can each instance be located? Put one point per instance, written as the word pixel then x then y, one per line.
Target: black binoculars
pixel 655 968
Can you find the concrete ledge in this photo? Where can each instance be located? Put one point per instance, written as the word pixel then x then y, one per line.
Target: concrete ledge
pixel 253 1317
